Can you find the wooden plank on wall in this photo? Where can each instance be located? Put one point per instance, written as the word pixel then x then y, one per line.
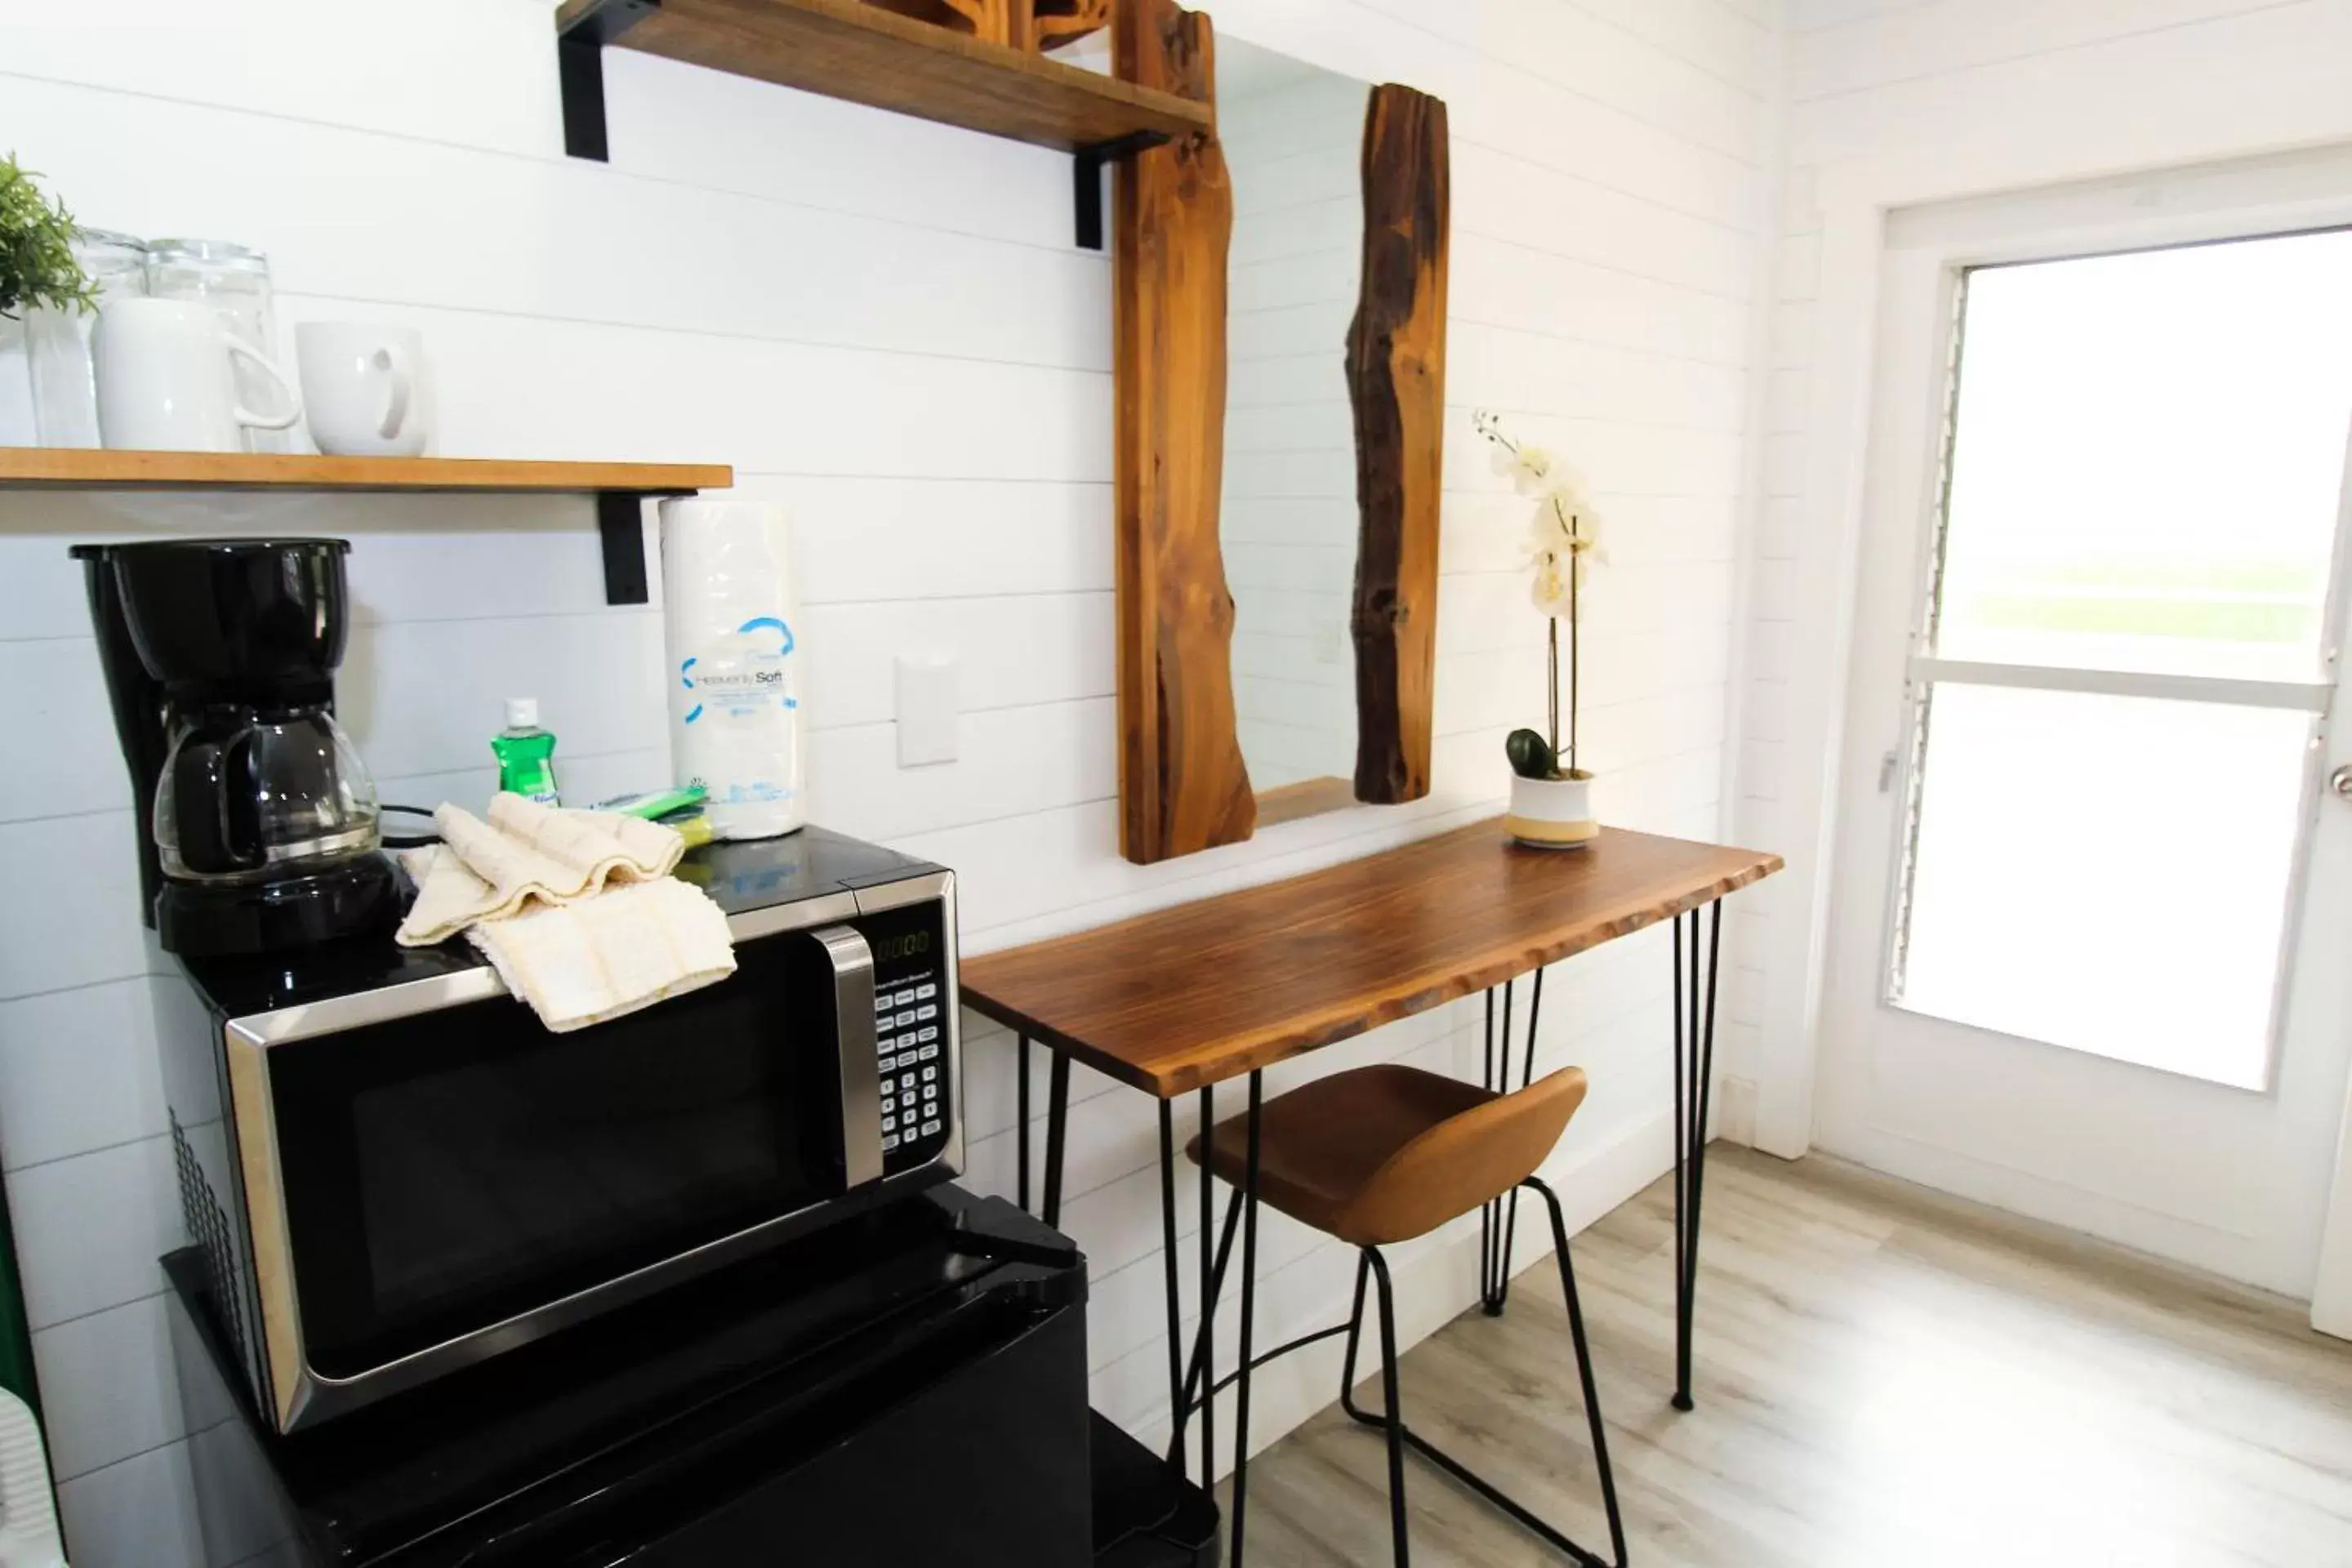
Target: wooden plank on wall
pixel 1183 784
pixel 1396 378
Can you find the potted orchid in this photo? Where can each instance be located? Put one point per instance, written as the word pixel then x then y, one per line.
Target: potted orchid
pixel 1551 797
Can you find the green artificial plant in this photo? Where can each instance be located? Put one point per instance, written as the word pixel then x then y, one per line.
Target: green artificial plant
pixel 36 260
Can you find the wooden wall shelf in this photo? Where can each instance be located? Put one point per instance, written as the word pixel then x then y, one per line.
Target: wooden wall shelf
pixel 846 49
pixel 62 467
pixel 620 488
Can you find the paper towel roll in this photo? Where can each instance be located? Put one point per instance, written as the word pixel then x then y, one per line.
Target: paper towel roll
pixel 734 673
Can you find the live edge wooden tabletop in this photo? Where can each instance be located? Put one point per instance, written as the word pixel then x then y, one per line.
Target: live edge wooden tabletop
pixel 1211 990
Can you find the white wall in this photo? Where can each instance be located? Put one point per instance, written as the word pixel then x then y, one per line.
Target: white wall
pixel 1294 144
pixel 1894 102
pixel 884 324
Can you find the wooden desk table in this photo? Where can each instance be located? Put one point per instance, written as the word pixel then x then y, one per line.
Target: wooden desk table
pixel 1180 1000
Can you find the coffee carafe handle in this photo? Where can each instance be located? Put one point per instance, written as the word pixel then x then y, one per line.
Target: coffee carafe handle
pixel 219 821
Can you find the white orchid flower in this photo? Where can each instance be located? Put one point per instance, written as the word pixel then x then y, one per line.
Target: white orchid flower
pixel 1548 588
pixel 1558 534
pixel 1586 539
pixel 1563 542
pixel 1534 472
pixel 1548 532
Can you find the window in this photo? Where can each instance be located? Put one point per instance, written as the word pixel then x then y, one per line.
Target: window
pixel 2127 646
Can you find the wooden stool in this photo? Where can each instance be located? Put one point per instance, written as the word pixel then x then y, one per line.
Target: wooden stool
pixel 1383 1154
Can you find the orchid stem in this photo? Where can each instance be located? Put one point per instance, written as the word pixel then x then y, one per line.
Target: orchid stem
pixel 1575 657
pixel 1552 625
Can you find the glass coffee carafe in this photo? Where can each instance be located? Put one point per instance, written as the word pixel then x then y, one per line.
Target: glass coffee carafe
pixel 244 796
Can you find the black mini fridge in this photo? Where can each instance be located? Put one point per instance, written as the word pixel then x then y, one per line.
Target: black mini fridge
pixel 909 1387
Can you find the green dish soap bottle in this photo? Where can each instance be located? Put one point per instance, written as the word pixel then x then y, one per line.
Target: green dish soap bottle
pixel 526 754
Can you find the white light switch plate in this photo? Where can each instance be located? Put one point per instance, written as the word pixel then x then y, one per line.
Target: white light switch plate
pixel 927 709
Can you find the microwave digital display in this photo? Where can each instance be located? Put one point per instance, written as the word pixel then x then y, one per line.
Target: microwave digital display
pixel 912 944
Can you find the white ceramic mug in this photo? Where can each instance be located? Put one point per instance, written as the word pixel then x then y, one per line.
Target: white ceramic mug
pixel 366 388
pixel 165 382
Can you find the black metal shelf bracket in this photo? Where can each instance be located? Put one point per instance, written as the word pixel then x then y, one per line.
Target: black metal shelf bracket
pixel 1087 167
pixel 621 525
pixel 580 72
pixel 579 75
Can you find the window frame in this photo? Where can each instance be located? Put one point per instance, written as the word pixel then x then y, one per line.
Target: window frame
pixel 1923 670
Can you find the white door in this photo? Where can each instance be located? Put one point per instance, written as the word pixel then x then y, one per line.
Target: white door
pixel 2091 952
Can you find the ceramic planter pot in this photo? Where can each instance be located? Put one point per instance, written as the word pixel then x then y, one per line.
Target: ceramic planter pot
pixel 1552 813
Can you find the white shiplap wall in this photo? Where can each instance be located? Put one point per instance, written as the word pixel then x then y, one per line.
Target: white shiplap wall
pixel 882 323
pixel 2043 90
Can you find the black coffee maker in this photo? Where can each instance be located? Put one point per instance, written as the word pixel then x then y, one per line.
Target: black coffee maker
pixel 257 821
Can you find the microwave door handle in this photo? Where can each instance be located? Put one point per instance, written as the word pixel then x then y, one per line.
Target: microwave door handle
pixel 861 1081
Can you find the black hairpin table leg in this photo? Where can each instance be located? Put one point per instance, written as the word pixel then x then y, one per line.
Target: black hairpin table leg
pixel 1694 1099
pixel 1173 1280
pixel 1495 1076
pixel 1021 1122
pixel 1511 1208
pixel 1204 1354
pixel 1249 1318
pixel 1057 1131
pixel 1499 1222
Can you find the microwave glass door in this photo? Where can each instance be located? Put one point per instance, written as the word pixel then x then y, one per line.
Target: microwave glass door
pixel 445 1172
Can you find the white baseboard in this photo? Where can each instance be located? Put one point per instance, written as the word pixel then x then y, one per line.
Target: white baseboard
pixel 1735 1112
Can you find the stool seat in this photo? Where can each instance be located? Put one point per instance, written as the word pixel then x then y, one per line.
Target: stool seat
pixel 1382 1154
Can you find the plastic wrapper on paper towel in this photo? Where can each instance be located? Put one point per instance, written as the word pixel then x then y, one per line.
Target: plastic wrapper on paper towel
pixel 734 672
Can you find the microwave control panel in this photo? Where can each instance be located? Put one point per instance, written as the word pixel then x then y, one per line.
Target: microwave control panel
pixel 914 1025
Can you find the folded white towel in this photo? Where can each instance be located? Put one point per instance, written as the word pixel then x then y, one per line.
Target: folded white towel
pixel 526 853
pixel 597 959
pixel 575 909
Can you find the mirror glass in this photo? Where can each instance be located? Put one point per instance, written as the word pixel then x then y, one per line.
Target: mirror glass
pixel 1293 137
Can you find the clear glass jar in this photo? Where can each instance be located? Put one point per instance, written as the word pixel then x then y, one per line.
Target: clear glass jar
pixel 18 426
pixel 233 279
pixel 65 377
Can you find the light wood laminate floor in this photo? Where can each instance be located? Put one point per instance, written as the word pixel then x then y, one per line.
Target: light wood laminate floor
pixel 1886 1379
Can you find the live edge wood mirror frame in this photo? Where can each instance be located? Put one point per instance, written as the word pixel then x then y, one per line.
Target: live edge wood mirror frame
pixel 1183 785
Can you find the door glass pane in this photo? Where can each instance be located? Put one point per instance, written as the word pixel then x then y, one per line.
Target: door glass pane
pixel 2105 873
pixel 2148 459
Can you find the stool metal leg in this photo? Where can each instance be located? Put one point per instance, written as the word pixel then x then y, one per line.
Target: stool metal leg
pixel 1393 1425
pixel 1395 1399
pixel 1584 1372
pixel 1369 1263
pixel 1355 1333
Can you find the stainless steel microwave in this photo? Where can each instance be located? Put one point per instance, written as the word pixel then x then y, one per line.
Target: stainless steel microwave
pixel 394 1172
